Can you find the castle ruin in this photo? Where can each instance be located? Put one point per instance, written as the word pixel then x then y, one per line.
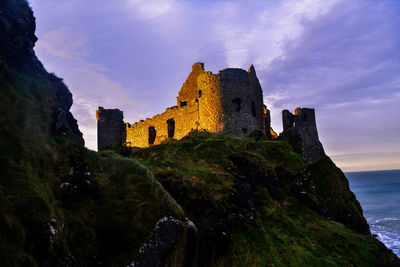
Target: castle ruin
pixel 229 102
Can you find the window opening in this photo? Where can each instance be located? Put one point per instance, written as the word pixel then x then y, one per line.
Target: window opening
pixel 237 104
pixel 171 128
pixel 253 109
pixel 152 134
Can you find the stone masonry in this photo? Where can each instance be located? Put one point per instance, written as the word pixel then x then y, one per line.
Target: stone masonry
pixel 110 127
pixel 300 130
pixel 230 102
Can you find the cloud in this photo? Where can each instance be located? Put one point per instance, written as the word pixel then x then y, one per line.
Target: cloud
pixel 59 43
pixel 88 82
pixel 149 9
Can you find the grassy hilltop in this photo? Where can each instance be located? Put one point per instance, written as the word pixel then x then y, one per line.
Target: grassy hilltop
pixel 228 200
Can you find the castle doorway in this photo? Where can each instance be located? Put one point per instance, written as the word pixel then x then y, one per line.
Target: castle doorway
pixel 171 128
pixel 152 134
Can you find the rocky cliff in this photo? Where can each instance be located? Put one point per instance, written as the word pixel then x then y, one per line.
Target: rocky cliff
pixel 207 200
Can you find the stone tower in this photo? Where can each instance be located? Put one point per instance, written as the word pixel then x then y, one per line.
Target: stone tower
pixel 110 127
pixel 231 102
pixel 300 130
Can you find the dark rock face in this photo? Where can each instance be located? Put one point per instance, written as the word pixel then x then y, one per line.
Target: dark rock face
pixel 168 235
pixel 110 127
pixel 300 130
pixel 17 31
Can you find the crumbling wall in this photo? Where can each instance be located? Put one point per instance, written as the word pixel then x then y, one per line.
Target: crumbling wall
pixel 184 119
pixel 300 130
pixel 110 127
pixel 229 102
pixel 189 91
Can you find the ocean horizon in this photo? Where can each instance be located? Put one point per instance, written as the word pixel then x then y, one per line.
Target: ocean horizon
pixel 379 195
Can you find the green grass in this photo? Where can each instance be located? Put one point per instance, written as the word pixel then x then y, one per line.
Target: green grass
pixel 200 172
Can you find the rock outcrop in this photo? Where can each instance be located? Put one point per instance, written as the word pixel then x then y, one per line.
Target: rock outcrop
pixel 171 243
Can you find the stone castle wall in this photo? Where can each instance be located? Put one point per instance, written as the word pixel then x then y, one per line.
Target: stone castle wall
pixel 229 102
pixel 190 91
pixel 184 119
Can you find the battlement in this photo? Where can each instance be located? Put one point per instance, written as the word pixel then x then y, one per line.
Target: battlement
pixel 302 117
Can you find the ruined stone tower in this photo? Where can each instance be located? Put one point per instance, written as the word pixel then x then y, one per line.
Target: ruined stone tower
pixel 231 102
pixel 300 130
pixel 110 127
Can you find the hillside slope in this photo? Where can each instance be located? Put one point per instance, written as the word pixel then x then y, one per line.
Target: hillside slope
pixel 207 200
pixel 257 203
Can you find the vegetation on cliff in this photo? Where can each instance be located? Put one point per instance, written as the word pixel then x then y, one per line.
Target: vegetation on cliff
pixel 257 203
pixel 252 203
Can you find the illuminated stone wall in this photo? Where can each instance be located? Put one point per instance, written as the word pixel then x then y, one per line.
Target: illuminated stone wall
pixel 229 102
pixel 185 118
pixel 190 91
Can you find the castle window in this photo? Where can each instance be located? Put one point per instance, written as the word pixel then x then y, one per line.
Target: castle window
pixel 200 92
pixel 244 130
pixel 152 134
pixel 253 109
pixel 183 103
pixel 237 104
pixel 171 128
pixel 304 117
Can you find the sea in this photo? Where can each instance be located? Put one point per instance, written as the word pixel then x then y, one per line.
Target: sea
pixel 379 195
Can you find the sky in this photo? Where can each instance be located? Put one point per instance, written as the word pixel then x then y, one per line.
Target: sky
pixel 341 57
